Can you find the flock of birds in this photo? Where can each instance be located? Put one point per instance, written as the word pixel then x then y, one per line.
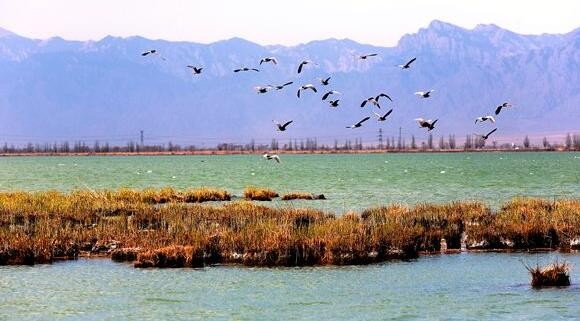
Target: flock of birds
pixel 330 95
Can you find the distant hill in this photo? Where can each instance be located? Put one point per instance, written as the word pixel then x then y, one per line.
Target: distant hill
pixel 55 89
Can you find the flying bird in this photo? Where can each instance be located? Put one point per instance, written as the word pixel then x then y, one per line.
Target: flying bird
pixel 372 100
pixel 152 52
pixel 195 70
pixel 282 127
pixel 383 117
pixel 324 82
pixel 333 103
pixel 408 64
pixel 500 107
pixel 382 95
pixel 424 94
pixel 332 92
pixel 278 87
pixel 363 57
pixel 484 118
pixel 486 136
pixel 269 59
pixel 302 64
pixel 429 124
pixel 306 87
pixel 359 124
pixel 268 156
pixel 262 90
pixel 246 69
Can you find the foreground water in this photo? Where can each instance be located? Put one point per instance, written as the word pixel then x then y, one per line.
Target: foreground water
pixel 348 181
pixel 487 286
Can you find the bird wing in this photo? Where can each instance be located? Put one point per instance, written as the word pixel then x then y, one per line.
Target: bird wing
pixel 491 118
pixel 287 123
pixel 377 114
pixel 288 83
pixel 276 158
pixel 433 123
pixel 237 70
pixel 420 93
pixel 298 93
pixel 491 132
pixel 363 103
pixel 326 95
pixel 254 69
pixel 498 109
pixel 327 80
pixel 410 62
pixel 313 88
pixel 274 60
pixel 262 61
pixel 383 95
pixel 363 120
pixel 388 113
pixel 300 67
pixel 372 55
pixel 145 53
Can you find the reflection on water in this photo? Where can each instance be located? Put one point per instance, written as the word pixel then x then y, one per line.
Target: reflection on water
pixel 487 286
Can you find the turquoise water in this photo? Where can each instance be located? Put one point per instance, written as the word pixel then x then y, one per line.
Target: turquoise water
pixel 491 286
pixel 348 181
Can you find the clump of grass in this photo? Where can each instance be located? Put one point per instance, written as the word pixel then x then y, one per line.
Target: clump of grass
pixel 205 195
pixel 125 254
pixel 554 274
pixel 302 196
pixel 259 194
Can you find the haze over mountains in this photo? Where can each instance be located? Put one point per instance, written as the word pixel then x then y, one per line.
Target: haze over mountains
pixel 54 89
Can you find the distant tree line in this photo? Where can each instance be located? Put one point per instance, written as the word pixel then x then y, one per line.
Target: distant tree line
pixel 471 142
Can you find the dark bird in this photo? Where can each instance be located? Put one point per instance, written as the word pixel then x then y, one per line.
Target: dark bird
pixel 500 107
pixel 269 156
pixel 424 94
pixel 324 82
pixel 486 136
pixel 408 64
pixel 359 124
pixel 262 90
pixel 282 127
pixel 372 100
pixel 430 124
pixel 195 70
pixel 306 87
pixel 333 103
pixel 363 57
pixel 332 92
pixel 278 87
pixel 382 95
pixel 269 59
pixel 152 52
pixel 484 118
pixel 302 64
pixel 246 69
pixel 383 117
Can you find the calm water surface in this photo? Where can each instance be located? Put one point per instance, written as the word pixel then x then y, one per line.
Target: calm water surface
pixel 349 181
pixel 449 287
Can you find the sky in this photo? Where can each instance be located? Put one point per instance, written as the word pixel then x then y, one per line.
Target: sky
pixel 276 22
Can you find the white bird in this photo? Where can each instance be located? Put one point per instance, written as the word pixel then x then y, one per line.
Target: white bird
pixel 278 87
pixel 268 156
pixel 282 127
pixel 195 70
pixel 269 59
pixel 262 90
pixel 324 82
pixel 408 64
pixel 306 87
pixel 424 94
pixel 333 103
pixel 372 100
pixel 302 64
pixel 359 124
pixel 484 118
pixel 429 124
pixel 332 92
pixel 383 117
pixel 486 136
pixel 363 57
pixel 246 69
pixel 499 108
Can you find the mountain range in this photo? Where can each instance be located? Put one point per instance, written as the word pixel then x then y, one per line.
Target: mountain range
pixel 55 89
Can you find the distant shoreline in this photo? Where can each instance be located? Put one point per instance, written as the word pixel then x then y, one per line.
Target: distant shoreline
pixel 282 152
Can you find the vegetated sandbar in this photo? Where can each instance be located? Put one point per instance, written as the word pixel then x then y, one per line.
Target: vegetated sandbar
pixel 40 227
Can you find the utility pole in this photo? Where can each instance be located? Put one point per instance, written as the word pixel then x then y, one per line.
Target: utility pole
pixel 141 138
pixel 399 141
pixel 380 138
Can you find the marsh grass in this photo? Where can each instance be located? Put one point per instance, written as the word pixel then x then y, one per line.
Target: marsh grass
pixel 554 274
pixel 259 193
pixel 128 225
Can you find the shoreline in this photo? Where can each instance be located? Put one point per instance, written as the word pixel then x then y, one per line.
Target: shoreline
pixel 285 152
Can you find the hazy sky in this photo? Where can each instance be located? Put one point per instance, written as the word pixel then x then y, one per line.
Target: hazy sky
pixel 276 22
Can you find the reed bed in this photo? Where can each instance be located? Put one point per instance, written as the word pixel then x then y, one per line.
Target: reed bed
pixel 129 225
pixel 259 194
pixel 302 196
pixel 554 274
